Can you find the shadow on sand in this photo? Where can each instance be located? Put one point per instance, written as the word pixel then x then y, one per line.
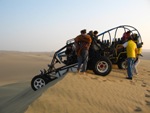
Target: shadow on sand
pixel 20 96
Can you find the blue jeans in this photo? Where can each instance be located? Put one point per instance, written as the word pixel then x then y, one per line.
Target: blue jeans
pixel 83 59
pixel 130 63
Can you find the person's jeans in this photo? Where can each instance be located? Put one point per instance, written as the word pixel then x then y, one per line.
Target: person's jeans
pixel 83 59
pixel 130 63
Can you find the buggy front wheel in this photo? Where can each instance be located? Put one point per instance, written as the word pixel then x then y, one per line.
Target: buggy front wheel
pixel 38 82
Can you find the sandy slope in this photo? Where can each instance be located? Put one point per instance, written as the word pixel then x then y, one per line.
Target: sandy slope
pixel 15 98
pixel 93 94
pixel 73 93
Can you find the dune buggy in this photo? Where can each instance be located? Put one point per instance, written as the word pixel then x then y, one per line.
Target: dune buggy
pixel 112 38
pixel 65 59
pixel 102 54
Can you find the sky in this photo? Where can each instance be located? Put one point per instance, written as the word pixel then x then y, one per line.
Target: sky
pixel 46 25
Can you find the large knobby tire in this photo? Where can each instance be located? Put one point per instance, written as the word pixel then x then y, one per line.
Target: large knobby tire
pixel 102 66
pixel 38 81
pixel 122 64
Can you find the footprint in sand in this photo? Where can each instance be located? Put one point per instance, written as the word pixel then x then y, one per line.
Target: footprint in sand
pixel 104 80
pixel 146 95
pixel 144 84
pixel 131 82
pixel 94 78
pixel 138 109
pixel 112 80
pixel 147 102
pixel 121 80
pixel 148 90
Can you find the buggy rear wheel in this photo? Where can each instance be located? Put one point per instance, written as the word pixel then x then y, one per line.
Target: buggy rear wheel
pixel 122 64
pixel 38 82
pixel 102 66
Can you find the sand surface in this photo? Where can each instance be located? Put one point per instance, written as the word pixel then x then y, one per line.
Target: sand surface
pixel 72 93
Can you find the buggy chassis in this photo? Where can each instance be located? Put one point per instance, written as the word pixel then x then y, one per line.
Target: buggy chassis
pixel 67 59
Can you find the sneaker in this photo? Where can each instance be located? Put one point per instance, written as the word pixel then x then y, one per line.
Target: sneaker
pixel 130 78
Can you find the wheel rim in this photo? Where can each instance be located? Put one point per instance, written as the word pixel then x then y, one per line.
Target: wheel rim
pixel 38 83
pixel 102 66
pixel 124 65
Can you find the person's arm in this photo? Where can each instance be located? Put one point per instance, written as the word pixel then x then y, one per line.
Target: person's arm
pixel 76 39
pixel 122 45
pixel 119 46
pixel 136 51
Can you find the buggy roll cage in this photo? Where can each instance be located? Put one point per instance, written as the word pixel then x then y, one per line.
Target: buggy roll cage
pixel 115 29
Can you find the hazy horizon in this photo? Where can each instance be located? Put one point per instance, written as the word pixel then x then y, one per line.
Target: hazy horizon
pixel 143 50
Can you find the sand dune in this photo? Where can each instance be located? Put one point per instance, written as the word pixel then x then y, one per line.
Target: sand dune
pixel 72 93
pixel 93 94
pixel 21 66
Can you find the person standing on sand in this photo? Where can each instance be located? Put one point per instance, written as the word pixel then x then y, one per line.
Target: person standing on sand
pixel 82 43
pixel 139 53
pixel 137 61
pixel 131 48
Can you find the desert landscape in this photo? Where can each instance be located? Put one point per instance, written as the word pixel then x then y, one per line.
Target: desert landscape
pixel 73 92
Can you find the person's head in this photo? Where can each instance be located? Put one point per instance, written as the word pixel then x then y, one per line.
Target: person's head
pixel 127 34
pixel 135 37
pixel 95 33
pixel 90 33
pixel 83 31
